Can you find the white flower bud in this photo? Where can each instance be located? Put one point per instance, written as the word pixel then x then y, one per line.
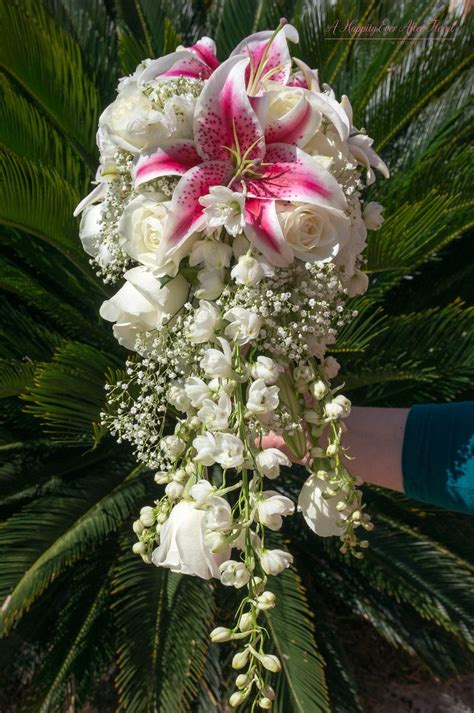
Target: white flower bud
pixel 242 680
pixel 216 541
pixel 180 476
pixel 138 527
pixel 318 389
pixel 266 600
pixel 332 450
pixel 266 369
pixel 271 663
pixel 269 693
pixel 162 517
pixel 174 490
pixel 220 634
pixel 265 704
pixel 240 659
pixel 331 367
pixel 139 548
pixel 237 698
pixel 174 446
pixel 303 373
pixel 246 622
pixel 162 477
pixel 248 271
pixel 147 516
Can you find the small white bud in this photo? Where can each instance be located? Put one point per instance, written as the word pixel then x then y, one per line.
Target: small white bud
pixel 147 516
pixel 271 663
pixel 266 600
pixel 240 659
pixel 246 622
pixel 268 692
pixel 242 680
pixel 220 634
pixel 332 450
pixel 237 698
pixel 162 517
pixel 318 389
pixel 162 477
pixel 174 490
pixel 265 704
pixel 139 548
pixel 138 527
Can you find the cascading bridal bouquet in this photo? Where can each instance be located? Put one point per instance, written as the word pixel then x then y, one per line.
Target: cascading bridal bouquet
pixel 229 198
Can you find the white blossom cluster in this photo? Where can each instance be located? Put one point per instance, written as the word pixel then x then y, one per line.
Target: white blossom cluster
pixel 229 199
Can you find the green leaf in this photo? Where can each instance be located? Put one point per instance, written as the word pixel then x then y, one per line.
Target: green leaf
pixel 47 64
pixel 163 624
pixel 301 686
pixel 37 200
pixel 68 392
pixel 44 538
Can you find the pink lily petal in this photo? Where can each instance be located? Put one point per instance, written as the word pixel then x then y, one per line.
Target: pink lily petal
pixel 205 49
pixel 297 125
pixel 222 109
pixel 182 63
pixel 172 160
pixel 278 59
pixel 186 213
pixel 290 174
pixel 264 230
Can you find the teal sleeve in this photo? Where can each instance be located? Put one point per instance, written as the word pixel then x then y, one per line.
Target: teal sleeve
pixel 438 455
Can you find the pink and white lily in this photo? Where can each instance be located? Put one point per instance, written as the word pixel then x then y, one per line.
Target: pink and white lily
pixel 231 149
pixel 196 62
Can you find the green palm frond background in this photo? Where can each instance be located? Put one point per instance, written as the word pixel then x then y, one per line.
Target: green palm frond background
pixel 78 607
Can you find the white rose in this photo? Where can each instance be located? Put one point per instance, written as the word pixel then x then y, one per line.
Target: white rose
pixel 262 398
pixel 206 318
pixel 266 369
pixel 315 233
pixel 143 304
pixel 127 121
pixel 275 561
pixel 244 325
pixel 269 462
pixel 182 546
pixel 373 217
pixel 141 228
pixel 273 508
pixel 320 513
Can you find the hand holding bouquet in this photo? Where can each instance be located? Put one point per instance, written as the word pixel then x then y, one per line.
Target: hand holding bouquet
pixel 229 199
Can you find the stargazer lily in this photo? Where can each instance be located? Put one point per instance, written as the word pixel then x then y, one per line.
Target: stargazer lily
pixel 232 149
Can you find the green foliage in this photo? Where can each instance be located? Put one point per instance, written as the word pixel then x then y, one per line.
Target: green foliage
pixel 75 599
pixel 302 684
